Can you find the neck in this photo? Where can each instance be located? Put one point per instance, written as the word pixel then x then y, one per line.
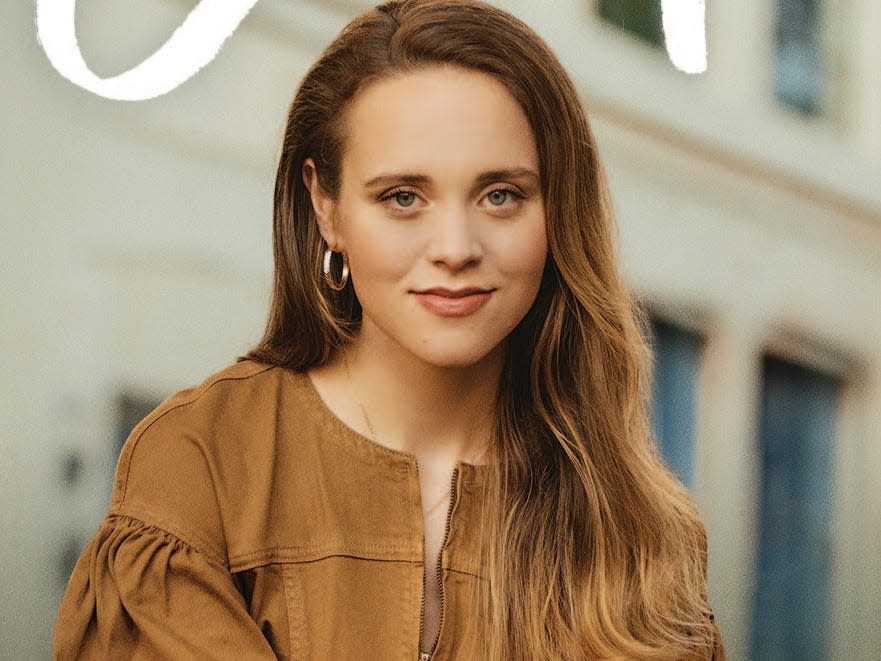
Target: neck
pixel 438 413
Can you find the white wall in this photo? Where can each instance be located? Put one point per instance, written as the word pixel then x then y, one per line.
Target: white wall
pixel 136 254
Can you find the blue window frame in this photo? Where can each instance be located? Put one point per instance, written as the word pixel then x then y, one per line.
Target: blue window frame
pixel 791 608
pixel 677 360
pixel 798 75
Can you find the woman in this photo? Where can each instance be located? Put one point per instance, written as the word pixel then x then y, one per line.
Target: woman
pixel 440 448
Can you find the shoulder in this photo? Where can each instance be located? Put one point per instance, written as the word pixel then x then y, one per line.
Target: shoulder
pixel 235 382
pixel 188 417
pixel 228 401
pixel 185 466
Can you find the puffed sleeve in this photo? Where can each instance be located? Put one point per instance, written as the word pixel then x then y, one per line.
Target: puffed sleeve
pixel 154 581
pixel 139 592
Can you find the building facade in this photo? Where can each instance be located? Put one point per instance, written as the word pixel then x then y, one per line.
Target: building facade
pixel 748 197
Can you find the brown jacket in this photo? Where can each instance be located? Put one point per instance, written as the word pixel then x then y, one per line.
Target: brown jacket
pixel 248 522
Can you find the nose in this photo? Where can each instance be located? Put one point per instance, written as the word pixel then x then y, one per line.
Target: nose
pixel 455 241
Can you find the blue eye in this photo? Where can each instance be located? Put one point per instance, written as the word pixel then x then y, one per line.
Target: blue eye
pixel 499 196
pixel 405 198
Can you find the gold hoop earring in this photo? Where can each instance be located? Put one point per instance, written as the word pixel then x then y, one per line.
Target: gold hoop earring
pixel 328 278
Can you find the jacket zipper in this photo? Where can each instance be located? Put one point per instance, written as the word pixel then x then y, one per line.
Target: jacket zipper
pixel 426 656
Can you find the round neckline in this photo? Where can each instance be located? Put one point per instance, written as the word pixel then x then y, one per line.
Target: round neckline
pixel 327 413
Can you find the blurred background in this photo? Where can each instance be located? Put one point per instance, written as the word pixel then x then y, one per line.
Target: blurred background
pixel 136 260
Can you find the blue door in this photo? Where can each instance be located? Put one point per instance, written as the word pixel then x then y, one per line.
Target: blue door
pixel 677 359
pixel 791 608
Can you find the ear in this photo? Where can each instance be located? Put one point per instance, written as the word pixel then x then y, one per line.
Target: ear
pixel 323 205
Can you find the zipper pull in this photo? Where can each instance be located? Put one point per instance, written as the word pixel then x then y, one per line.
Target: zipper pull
pixel 425 656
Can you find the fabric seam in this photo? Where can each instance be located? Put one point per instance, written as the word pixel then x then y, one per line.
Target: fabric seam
pixel 200 390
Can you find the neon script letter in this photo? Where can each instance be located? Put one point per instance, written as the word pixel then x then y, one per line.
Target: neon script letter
pixel 197 41
pixel 193 45
pixel 685 33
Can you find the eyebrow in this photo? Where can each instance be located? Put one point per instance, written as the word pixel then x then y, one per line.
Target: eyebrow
pixel 482 179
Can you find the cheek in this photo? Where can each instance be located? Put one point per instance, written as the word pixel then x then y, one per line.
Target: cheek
pixel 526 256
pixel 375 253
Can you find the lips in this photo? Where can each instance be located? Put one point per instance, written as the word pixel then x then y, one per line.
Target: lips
pixel 454 293
pixel 453 302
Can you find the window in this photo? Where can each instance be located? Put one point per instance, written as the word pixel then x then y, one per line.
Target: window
pixel 130 410
pixel 677 355
pixel 641 18
pixel 790 617
pixel 798 60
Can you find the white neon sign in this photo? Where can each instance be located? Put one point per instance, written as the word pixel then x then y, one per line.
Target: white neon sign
pixel 193 45
pixel 685 34
pixel 199 38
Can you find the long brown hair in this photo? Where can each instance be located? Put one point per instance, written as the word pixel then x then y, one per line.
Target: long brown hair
pixel 592 548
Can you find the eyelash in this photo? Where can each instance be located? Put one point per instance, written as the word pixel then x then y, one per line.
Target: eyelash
pixel 396 191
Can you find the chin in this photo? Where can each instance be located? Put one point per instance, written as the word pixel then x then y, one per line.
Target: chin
pixel 452 362
pixel 454 356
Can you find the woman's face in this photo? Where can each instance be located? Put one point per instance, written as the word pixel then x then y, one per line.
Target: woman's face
pixel 440 188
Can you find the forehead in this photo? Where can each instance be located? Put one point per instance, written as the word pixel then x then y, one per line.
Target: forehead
pixel 444 119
